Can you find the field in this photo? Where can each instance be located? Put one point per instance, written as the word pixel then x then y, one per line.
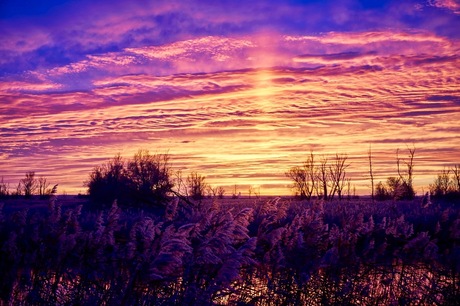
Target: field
pixel 267 251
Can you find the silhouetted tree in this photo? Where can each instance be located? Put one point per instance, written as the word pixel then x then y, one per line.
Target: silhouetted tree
pixel 395 188
pixel 144 179
pixel 441 185
pixel 381 192
pixel 211 192
pixel 446 185
pixel 43 185
pixel 400 187
pixel 371 173
pixel 18 191
pixel 337 173
pixel 220 192
pixel 29 184
pixel 109 181
pixel 196 185
pixel 215 192
pixel 326 179
pixel 4 189
pixel 299 177
pixel 150 176
pixel 180 185
pixel 406 188
pixel 323 178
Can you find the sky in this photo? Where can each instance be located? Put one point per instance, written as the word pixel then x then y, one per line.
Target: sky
pixel 239 91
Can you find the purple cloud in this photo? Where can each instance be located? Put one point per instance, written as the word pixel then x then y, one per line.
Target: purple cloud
pixel 226 88
pixel 72 31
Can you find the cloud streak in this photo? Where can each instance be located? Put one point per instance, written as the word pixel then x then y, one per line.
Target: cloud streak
pixel 238 93
pixel 72 31
pixel 451 5
pixel 245 117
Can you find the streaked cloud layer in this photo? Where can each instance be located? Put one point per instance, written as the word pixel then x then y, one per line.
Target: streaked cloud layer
pixel 237 91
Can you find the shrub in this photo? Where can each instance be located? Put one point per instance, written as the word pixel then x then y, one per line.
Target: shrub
pixel 150 177
pixel 4 189
pixel 197 185
pixel 144 179
pixel 29 184
pixel 109 181
pixel 446 186
pixel 381 192
pixel 399 189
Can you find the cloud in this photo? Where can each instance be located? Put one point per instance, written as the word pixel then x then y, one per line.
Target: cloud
pixel 227 88
pixel 27 86
pixel 74 31
pixel 237 121
pixel 215 53
pixel 451 5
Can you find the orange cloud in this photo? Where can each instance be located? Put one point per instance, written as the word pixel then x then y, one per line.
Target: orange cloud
pixel 242 126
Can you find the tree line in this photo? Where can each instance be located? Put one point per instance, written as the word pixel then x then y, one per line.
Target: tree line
pixel 28 186
pixel 149 179
pixel 325 179
pixel 447 183
pixel 328 178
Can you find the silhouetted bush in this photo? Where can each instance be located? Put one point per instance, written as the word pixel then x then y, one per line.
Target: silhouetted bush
pixel 381 192
pixel 197 185
pixel 143 180
pixel 149 177
pixel 109 181
pixel 29 184
pixel 446 186
pixel 4 193
pixel 394 189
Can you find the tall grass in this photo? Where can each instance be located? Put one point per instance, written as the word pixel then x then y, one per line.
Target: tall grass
pixel 273 252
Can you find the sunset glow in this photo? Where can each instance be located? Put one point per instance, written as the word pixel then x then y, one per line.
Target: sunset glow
pixel 239 91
